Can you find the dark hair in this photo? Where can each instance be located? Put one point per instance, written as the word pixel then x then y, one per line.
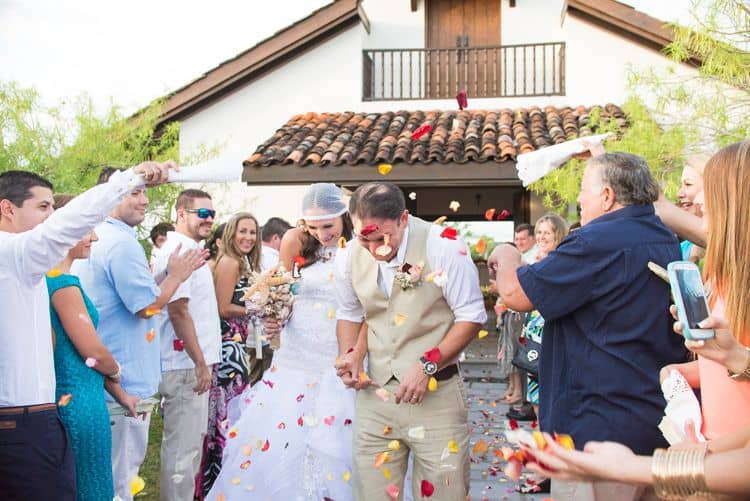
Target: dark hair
pixel 15 185
pixel 210 242
pixel 311 245
pixel 274 226
pixel 574 226
pixel 524 227
pixel 106 173
pixel 60 200
pixel 379 200
pixel 186 197
pixel 160 230
pixel 629 177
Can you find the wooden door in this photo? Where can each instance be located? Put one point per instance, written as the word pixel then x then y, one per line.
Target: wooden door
pixel 455 32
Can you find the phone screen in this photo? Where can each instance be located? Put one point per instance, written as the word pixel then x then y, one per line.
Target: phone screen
pixel 693 295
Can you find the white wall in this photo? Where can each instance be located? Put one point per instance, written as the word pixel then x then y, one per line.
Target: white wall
pixel 329 78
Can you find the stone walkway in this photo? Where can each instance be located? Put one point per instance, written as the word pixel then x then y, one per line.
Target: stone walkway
pixel 488 422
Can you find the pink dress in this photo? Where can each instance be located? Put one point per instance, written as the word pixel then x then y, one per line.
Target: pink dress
pixel 725 402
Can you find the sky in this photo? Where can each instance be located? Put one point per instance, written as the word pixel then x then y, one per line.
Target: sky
pixel 133 52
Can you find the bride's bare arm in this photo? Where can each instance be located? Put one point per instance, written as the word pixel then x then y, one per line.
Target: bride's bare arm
pixel 291 247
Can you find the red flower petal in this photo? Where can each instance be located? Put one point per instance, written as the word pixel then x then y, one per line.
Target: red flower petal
pixel 300 397
pixel 266 446
pixel 489 214
pixel 433 355
pixel 513 424
pixel 268 383
pixel 426 488
pixel 462 99
pixel 420 131
pixel 504 214
pixel 368 229
pixel 300 421
pixel 299 261
pixel 347 422
pixel 449 233
pixel 281 426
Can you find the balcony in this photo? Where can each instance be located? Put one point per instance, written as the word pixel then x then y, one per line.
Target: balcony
pixel 522 70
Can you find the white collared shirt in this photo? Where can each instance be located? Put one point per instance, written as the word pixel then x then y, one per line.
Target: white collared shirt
pixel 27 370
pixel 200 293
pixel 461 291
pixel 269 257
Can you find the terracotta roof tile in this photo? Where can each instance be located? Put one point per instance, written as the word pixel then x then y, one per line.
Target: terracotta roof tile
pixel 456 136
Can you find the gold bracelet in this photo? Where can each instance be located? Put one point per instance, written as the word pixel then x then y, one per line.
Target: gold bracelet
pixel 744 374
pixel 678 474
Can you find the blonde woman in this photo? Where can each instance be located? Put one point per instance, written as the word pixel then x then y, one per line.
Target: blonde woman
pixel 238 256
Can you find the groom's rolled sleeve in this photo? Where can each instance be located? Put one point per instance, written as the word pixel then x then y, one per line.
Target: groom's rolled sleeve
pixel 461 291
pixel 348 305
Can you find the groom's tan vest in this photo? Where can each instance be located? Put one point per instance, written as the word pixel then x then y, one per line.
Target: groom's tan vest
pixel 394 349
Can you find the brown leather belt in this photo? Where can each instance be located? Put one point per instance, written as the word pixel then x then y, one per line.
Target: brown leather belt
pixel 446 372
pixel 18 411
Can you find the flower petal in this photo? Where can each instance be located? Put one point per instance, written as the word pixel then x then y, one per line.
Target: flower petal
pixel 384 169
pixel 426 488
pixel 449 233
pixel 454 205
pixel 489 214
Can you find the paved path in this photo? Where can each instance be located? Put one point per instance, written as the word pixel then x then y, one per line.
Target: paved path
pixel 488 421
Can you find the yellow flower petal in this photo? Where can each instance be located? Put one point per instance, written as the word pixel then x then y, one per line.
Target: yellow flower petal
pixel 64 399
pixel 235 481
pixel 433 384
pixel 384 169
pixel 331 313
pixel 386 473
pixel 347 476
pixel 399 319
pixel 151 311
pixel 440 220
pixel 394 445
pixel 483 334
pixel 342 243
pixel 381 458
pixel 54 272
pixel 453 446
pixel 137 484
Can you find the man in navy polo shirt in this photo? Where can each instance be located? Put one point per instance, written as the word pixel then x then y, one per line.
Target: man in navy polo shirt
pixel 607 327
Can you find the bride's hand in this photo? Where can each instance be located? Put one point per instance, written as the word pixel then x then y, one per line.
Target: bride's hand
pixel 348 367
pixel 271 327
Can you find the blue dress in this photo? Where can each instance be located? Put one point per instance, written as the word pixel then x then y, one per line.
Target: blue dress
pixel 86 417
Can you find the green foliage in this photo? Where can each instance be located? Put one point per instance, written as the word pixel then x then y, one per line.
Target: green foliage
pixel 662 149
pixel 69 143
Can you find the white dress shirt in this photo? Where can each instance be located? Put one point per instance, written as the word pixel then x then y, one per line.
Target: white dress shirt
pixel 27 370
pixel 461 291
pixel 201 296
pixel 269 257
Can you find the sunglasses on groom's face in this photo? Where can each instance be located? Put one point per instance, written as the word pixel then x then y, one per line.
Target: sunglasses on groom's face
pixel 202 213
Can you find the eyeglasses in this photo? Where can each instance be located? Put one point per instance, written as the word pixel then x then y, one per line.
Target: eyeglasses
pixel 203 213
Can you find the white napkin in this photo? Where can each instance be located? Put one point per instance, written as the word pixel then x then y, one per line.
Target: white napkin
pixel 536 164
pixel 681 407
pixel 218 170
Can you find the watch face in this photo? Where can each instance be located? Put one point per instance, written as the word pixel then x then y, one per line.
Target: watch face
pixel 430 367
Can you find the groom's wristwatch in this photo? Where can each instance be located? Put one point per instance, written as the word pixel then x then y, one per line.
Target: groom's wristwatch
pixel 429 367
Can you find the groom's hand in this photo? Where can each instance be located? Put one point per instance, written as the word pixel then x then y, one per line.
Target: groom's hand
pixel 413 387
pixel 348 367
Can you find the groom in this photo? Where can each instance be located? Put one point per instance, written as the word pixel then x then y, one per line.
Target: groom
pixel 417 325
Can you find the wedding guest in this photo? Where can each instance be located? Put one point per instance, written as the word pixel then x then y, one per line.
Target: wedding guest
pixel 271 234
pixel 158 236
pixel 589 290
pixel 523 237
pixel 36 460
pixel 190 346
pixel 82 363
pixel 213 246
pixel 117 278
pixel 238 256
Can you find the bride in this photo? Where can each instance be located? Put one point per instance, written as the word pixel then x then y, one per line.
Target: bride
pixel 289 437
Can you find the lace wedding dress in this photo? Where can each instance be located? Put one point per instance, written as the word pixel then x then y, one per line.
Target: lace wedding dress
pixel 289 437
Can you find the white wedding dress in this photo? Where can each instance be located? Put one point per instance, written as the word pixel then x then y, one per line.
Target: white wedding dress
pixel 289 438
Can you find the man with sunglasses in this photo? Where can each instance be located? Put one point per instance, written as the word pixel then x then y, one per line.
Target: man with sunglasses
pixel 117 278
pixel 190 345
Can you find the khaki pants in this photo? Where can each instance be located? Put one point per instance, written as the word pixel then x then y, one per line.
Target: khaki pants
pixel 185 424
pixel 444 416
pixel 129 444
pixel 563 490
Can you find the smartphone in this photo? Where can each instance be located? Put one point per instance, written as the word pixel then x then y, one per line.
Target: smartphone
pixel 690 299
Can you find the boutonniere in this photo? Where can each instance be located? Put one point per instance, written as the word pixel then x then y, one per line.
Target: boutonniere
pixel 409 276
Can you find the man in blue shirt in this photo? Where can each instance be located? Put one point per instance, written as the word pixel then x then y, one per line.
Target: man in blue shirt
pixel 117 279
pixel 608 329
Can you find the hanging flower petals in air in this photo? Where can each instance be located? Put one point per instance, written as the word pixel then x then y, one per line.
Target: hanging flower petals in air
pixel 137 484
pixel 454 205
pixel 384 169
pixel 54 272
pixel 329 420
pixel 268 383
pixel 387 430
pixel 504 214
pixel 433 355
pixel 432 385
pixel 399 319
pixel 440 220
pixel 413 195
pixel 150 335
pixel 301 421
pixel 245 465
pixel 566 441
pixel 299 261
pixel 416 432
pixel 237 338
pixel 453 446
pixel 233 433
pixel 481 246
pixel 347 476
pixel 151 311
pixel 266 446
pixel 342 243
pixel 420 131
pixel 347 422
pixel 427 489
pixel 247 450
pixel 281 425
pixel 368 229
pixel 364 378
pixel 384 249
pixel 91 362
pixel 482 334
pixel 382 458
pixel 463 251
pixel 449 233
pixel 539 440
pixel 462 100
pixel 386 473
pixel 394 445
pixel 383 394
pixel 392 491
pixel 480 447
pixel 65 399
pixel 489 214
pixel 300 397
pixel 331 313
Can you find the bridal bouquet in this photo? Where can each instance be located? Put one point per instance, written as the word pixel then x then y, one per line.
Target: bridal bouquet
pixel 270 295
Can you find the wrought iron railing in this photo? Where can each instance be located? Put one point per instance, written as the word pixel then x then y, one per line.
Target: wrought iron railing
pixel 500 71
